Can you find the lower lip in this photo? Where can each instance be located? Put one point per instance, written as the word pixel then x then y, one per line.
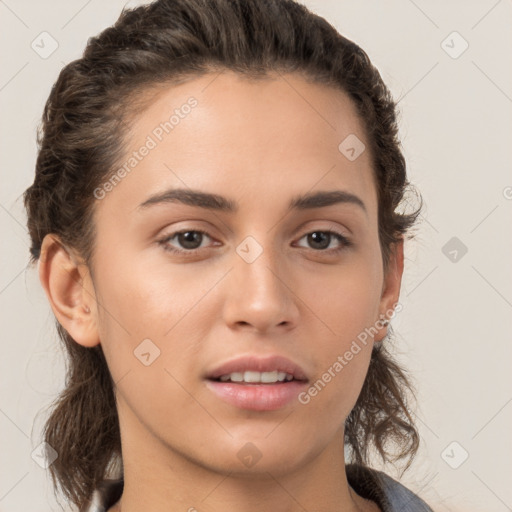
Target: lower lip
pixel 257 397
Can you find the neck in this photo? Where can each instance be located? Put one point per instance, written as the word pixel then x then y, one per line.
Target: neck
pixel 159 478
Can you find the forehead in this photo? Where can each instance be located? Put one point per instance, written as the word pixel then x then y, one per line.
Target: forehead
pixel 257 138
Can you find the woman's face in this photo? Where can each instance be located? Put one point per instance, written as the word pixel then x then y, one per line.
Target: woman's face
pixel 264 170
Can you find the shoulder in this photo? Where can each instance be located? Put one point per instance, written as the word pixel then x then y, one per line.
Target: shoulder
pixel 389 494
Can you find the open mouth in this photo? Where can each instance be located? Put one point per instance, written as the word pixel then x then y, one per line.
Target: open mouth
pixel 251 392
pixel 252 377
pixel 267 385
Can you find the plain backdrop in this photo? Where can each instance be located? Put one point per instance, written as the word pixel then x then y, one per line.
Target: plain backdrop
pixel 449 65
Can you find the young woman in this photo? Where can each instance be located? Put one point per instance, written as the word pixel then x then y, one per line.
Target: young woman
pixel 214 216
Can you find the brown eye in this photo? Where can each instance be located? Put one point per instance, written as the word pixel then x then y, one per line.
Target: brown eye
pixel 187 240
pixel 190 239
pixel 320 240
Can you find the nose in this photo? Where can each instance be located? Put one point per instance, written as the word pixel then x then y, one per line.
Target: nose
pixel 259 295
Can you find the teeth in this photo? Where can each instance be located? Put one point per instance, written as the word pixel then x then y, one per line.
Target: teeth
pixel 258 377
pixel 269 376
pixel 253 377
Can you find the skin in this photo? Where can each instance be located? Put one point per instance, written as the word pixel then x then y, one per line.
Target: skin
pixel 259 144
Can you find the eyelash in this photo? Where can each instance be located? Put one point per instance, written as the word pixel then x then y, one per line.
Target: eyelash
pixel 164 242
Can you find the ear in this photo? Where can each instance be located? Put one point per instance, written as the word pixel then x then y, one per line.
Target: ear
pixel 391 287
pixel 70 291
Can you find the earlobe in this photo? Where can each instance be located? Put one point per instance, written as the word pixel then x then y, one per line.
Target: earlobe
pixel 391 286
pixel 69 290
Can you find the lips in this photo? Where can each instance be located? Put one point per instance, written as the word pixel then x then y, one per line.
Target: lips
pixel 258 364
pixel 241 382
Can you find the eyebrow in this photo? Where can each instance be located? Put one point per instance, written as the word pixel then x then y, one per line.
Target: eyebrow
pixel 219 203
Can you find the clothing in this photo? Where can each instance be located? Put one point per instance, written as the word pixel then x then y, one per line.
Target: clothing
pixel 390 495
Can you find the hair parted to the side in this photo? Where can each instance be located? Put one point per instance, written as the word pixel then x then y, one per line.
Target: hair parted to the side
pixel 80 142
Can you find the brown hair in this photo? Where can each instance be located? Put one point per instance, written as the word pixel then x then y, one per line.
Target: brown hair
pixel 80 142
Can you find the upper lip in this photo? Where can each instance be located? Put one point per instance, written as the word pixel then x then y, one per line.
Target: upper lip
pixel 258 364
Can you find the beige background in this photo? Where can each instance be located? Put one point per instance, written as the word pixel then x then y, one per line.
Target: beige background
pixel 454 331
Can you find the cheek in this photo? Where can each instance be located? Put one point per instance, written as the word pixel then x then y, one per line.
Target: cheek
pixel 155 308
pixel 345 299
pixel 145 328
pixel 335 387
pixel 347 303
pixel 143 297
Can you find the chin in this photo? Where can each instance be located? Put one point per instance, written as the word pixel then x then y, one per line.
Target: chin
pixel 259 455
